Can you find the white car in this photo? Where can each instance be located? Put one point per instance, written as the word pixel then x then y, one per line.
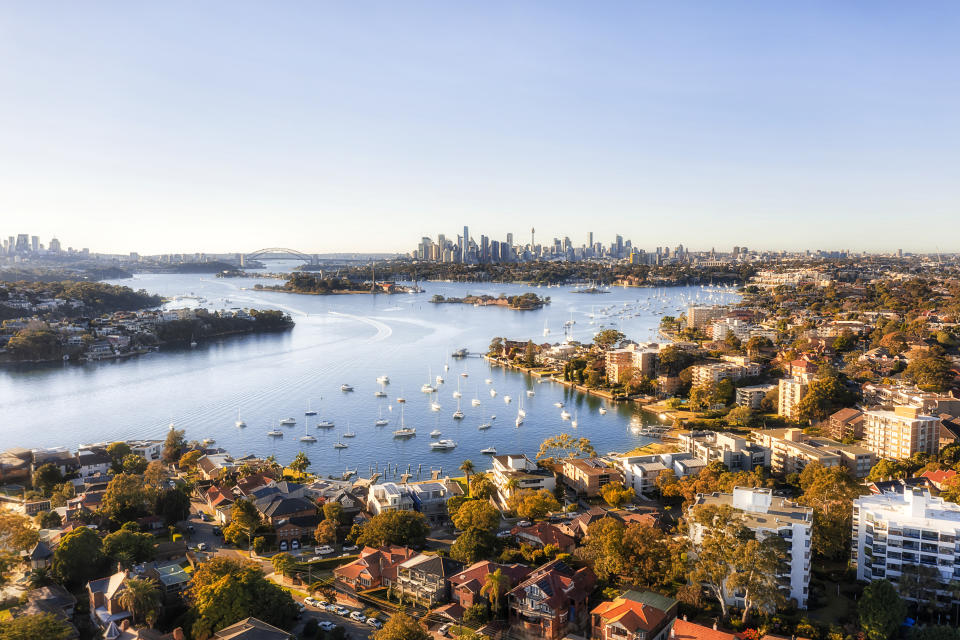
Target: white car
pixel 351 548
pixel 359 617
pixel 311 601
pixel 375 623
pixel 326 625
pixel 524 523
pixel 443 630
pixel 325 550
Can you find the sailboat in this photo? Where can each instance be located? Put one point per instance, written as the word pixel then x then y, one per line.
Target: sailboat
pixel 380 393
pixel 381 421
pixel 546 329
pixel 458 414
pixel 427 387
pixel 521 412
pixel 340 445
pixel 349 433
pixel 493 393
pixel 484 426
pixel 404 431
pixel 457 394
pixel 575 423
pixel 239 422
pixel 435 406
pixel 306 437
pixel 323 423
pixel 309 411
pixel 507 399
pixel 564 415
pixel 476 398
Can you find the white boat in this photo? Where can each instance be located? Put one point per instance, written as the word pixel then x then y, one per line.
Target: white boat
pixel 439 379
pixel 325 424
pixel 349 434
pixel 443 445
pixel 383 380
pixel 309 411
pixel 239 423
pixel 489 451
pixel 288 421
pixel 574 423
pixel 564 415
pixel 518 421
pixel 531 393
pixel 340 445
pixel 380 394
pixel 381 421
pixel 209 441
pixel 436 433
pixel 307 438
pixel 464 374
pixel 457 394
pixel 603 411
pixel 558 405
pixel 275 433
pixel 484 426
pixel 493 393
pixel 507 399
pixel 458 415
pixel 475 402
pixel 435 406
pixel 346 387
pixel 488 381
pixel 404 431
pixel 401 400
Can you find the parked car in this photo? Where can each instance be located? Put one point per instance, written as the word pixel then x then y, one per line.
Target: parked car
pixel 524 523
pixel 375 623
pixel 359 617
pixel 342 611
pixel 325 550
pixel 203 547
pixel 503 534
pixel 326 625
pixel 351 548
pixel 443 630
pixel 311 601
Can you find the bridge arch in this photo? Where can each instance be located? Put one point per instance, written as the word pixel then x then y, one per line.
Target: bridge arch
pixel 283 251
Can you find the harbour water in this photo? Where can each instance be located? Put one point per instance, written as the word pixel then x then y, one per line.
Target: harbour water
pixel 342 339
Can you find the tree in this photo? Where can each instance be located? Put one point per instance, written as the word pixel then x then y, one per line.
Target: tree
pixel 649 559
pixel 951 489
pixel 404 528
pixel 608 338
pixel 482 487
pixel 495 585
pixel 616 495
pixel 154 474
pixel 741 417
pixel 824 395
pixel 326 532
pixel 134 464
pixel 472 545
pixel 49 520
pixel 244 514
pixel 46 477
pixel 138 547
pixel 454 503
pixel 530 354
pixel 16 534
pixel 125 498
pixel 931 372
pixel 283 563
pixel 300 464
pixel 117 452
pixel 566 446
pixel 141 598
pixel 173 445
pixel 225 591
pixel 333 511
pixel 885 469
pixel 831 492
pixel 476 615
pixel 47 626
pixel 173 505
pixel 757 563
pixel 881 610
pixel 476 514
pixel 400 626
pixel 79 557
pixel 604 547
pixel 189 459
pixel 532 505
pixel 467 467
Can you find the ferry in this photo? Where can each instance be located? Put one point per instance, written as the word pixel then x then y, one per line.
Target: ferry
pixel 443 445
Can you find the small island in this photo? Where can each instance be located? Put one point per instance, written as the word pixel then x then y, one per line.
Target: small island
pixel 523 302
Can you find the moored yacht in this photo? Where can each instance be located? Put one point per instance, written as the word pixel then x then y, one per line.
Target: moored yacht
pixel 383 380
pixel 346 387
pixel 309 411
pixel 436 433
pixel 288 421
pixel 443 445
pixel 489 451
pixel 239 423
pixel 564 415
pixel 275 433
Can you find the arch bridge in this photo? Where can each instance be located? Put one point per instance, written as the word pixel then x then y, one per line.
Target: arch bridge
pixel 281 252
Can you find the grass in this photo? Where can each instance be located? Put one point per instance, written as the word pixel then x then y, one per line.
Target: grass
pixel 5 615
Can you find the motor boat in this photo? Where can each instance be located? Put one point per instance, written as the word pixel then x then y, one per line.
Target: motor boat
pixel 484 426
pixel 239 423
pixel 380 393
pixel 465 374
pixel 488 381
pixel 439 379
pixel 428 388
pixel 564 415
pixel 346 387
pixel 493 393
pixel 275 433
pixel 507 399
pixel 436 433
pixel 603 411
pixel 558 405
pixel 383 380
pixel 443 445
pixel 489 451
pixel 531 393
pixel 435 406
pixel 475 402
pixel 288 421
pixel 209 441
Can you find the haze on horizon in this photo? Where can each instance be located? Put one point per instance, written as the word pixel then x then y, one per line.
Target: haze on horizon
pixel 329 127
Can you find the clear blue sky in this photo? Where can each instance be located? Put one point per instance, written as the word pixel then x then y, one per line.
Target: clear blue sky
pixel 183 126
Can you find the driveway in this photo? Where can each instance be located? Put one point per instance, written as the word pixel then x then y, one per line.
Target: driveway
pixel 353 628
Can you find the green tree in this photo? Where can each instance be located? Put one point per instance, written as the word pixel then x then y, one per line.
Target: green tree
pixel 476 615
pixel 831 492
pixel 400 626
pixel 134 464
pixel 46 477
pixel 125 498
pixel 300 464
pixel 173 505
pixel 650 559
pixel 532 505
pixel 117 452
pixel 931 372
pixel 333 511
pixel 283 563
pixel 404 528
pixel 881 610
pixel 139 547
pixel 16 534
pixel 482 487
pixel 454 503
pixel 476 514
pixel 530 354
pixel 565 446
pixel 467 467
pixel 495 585
pixel 79 557
pixel 42 626
pixel 326 532
pixel 824 395
pixel 174 445
pixel 608 338
pixel 616 495
pixel 189 459
pixel 224 591
pixel 142 599
pixel 741 417
pixel 472 545
pixel 604 547
pixel 49 520
pixel 245 514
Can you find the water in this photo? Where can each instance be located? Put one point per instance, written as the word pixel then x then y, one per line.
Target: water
pixel 338 339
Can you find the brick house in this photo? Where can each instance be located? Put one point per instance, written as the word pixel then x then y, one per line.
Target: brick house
pixel 374 568
pixel 465 586
pixel 542 534
pixel 551 602
pixel 105 599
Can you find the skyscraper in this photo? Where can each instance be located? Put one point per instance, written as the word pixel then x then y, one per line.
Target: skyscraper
pixel 465 247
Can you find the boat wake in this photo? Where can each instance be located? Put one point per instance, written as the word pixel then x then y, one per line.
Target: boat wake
pixel 383 330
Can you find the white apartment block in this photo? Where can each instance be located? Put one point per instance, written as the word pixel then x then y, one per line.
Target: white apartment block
pixel 739 328
pixel 900 433
pixel 737 453
pixel 893 530
pixel 699 317
pixel 752 396
pixel 641 472
pixel 792 391
pixel 717 371
pixel 389 496
pixel 520 468
pixel 767 516
pixel 792 450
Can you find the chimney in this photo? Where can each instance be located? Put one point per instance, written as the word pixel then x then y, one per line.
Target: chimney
pixel 714 625
pixel 684 617
pixel 178 634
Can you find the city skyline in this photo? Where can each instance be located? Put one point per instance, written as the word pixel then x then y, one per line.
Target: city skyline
pixel 172 129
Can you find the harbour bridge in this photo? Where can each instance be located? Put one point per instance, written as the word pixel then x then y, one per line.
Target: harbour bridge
pixel 293 254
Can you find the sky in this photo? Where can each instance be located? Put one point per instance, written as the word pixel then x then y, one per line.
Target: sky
pixel 362 126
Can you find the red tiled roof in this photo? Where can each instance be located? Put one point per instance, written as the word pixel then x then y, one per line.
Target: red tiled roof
pixel 634 616
pixel 683 630
pixel 546 533
pixel 938 477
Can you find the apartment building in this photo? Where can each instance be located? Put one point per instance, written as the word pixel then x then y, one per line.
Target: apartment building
pixel 699 317
pixel 717 371
pixel 791 391
pixel 930 403
pixel 845 423
pixel 519 468
pixel 753 395
pixel 895 532
pixel 389 496
pixel 426 579
pixel 587 475
pixel 642 358
pixel 430 499
pixel 792 450
pixel 766 516
pixel 900 433
pixel 736 452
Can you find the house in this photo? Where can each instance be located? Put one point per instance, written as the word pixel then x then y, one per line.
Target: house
pixel 389 496
pixel 93 462
pixel 634 616
pixel 149 450
pixel 551 602
pixel 466 586
pixel 577 528
pixel 171 580
pixel 542 534
pixel 211 467
pixel 587 475
pixel 430 499
pixel 426 579
pixel 59 457
pixel 374 568
pixel 221 501
pixel 278 507
pixel 937 478
pixel 291 531
pixel 55 599
pixel 105 599
pixel 512 473
pixel 683 630
pixel 39 557
pixel 248 484
pixel 252 629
